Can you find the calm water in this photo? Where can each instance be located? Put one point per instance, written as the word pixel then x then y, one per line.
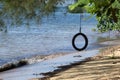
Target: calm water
pixel 54 35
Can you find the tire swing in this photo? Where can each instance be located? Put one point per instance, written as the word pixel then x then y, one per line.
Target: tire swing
pixel 79 40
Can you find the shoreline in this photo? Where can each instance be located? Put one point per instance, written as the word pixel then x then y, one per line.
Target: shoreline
pixel 74 56
pixel 39 58
pixel 34 70
pixel 28 61
pixel 109 53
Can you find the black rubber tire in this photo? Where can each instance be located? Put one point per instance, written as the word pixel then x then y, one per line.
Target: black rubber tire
pixel 85 38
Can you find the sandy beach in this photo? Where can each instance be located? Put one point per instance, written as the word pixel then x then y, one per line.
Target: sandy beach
pixel 97 64
pixel 104 66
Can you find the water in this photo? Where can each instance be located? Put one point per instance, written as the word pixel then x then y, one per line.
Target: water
pixel 54 35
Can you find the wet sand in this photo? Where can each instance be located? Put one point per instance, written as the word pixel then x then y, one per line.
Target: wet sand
pixel 104 66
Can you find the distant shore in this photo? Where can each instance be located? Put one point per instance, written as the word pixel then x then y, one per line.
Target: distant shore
pixel 104 66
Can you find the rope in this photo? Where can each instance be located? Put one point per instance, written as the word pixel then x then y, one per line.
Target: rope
pixel 80 24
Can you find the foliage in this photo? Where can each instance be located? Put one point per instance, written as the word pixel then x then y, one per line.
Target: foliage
pixel 107 12
pixel 17 12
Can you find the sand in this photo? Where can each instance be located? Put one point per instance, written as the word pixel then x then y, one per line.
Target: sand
pixel 104 66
